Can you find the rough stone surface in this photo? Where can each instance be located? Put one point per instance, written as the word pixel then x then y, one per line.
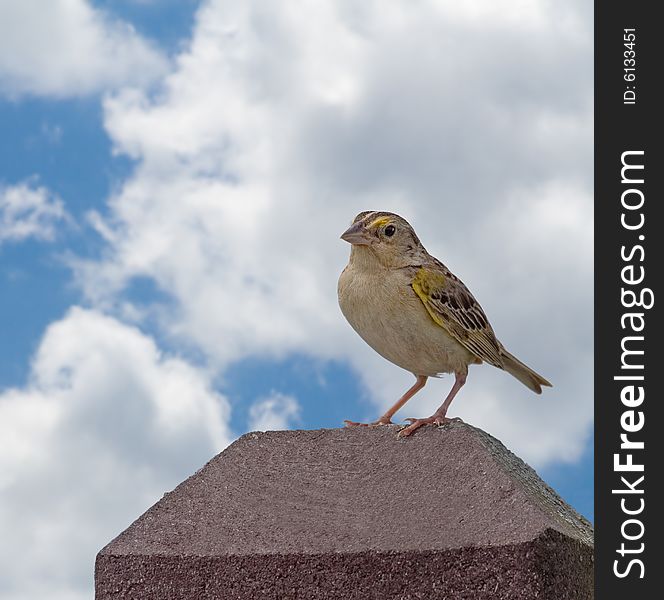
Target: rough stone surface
pixel 355 513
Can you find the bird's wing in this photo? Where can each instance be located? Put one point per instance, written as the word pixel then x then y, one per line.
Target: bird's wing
pixel 454 308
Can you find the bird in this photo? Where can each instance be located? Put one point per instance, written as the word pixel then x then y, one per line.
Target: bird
pixel 412 310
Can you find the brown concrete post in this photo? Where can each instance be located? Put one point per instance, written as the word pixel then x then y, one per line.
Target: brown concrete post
pixel 355 513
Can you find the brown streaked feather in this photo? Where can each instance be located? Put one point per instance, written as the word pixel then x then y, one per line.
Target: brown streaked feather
pixel 454 308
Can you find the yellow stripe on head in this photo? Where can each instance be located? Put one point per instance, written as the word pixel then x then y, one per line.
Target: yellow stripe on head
pixel 379 222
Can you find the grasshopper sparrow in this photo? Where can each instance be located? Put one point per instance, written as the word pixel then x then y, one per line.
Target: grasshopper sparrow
pixel 412 310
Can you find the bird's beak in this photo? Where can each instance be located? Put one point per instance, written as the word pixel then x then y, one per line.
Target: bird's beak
pixel 356 234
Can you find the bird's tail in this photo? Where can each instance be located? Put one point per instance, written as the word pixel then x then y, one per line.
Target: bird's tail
pixel 523 373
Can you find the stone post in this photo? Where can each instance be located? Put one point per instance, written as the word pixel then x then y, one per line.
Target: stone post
pixel 448 513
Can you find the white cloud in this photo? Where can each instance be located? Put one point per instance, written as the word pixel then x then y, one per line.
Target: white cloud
pixel 276 411
pixel 105 426
pixel 28 210
pixel 275 127
pixel 278 126
pixel 66 48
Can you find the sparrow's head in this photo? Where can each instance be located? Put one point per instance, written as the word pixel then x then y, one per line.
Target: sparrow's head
pixel 386 235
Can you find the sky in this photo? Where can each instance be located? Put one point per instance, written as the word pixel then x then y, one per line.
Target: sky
pixel 174 178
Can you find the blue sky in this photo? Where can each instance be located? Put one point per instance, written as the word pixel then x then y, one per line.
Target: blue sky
pixel 174 177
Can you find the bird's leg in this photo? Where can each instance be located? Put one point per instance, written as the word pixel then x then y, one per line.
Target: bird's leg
pixel 386 419
pixel 437 418
pixel 417 386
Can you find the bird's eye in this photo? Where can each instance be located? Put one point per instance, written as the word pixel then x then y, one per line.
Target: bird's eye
pixel 389 230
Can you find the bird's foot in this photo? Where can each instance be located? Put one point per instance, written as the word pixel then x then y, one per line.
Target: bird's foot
pixel 381 421
pixel 415 424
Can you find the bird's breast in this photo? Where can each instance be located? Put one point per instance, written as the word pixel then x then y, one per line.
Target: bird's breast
pixel 387 314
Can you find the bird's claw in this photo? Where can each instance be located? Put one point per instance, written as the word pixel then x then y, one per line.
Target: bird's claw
pixel 348 423
pixel 449 420
pixel 415 424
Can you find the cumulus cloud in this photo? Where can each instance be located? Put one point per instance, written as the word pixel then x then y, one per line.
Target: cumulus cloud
pixel 278 125
pixel 274 127
pixel 28 210
pixel 105 426
pixel 277 411
pixel 65 48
